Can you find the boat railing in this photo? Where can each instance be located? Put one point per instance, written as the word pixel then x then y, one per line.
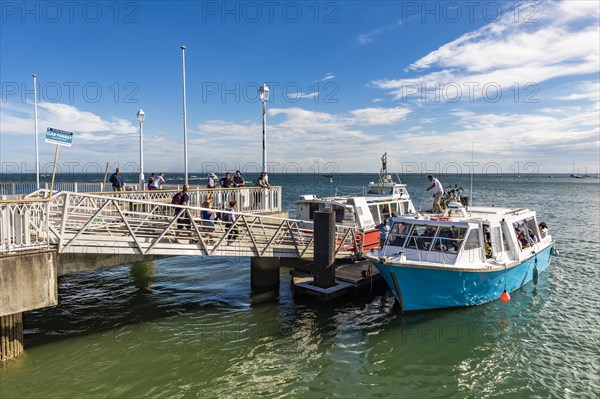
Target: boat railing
pixel 350 191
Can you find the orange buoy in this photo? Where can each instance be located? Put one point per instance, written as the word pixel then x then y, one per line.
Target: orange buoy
pixel 505 297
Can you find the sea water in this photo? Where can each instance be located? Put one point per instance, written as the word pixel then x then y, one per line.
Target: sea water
pixel 189 326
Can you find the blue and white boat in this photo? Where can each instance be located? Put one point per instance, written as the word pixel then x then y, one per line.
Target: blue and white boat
pixel 462 257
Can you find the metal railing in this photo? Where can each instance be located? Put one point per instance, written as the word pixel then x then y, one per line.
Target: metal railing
pixel 249 199
pixel 122 224
pixel 84 223
pixel 24 225
pixel 25 188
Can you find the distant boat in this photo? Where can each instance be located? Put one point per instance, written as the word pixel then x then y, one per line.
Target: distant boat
pixel 586 173
pixel 329 177
pixel 575 176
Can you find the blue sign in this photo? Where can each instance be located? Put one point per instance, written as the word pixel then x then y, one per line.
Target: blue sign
pixel 60 137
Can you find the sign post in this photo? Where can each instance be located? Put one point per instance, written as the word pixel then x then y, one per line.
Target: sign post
pixel 58 137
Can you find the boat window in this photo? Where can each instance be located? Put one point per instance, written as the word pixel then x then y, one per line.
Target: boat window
pixel 349 215
pixel 449 239
pixel 394 207
pixel 384 211
pixel 311 210
pixel 473 240
pixel 375 213
pixel 398 234
pixel 339 213
pixel 421 237
pixel 505 236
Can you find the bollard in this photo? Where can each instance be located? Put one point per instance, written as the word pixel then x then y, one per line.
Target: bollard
pixel 324 272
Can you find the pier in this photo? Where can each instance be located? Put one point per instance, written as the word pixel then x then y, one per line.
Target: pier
pixel 44 236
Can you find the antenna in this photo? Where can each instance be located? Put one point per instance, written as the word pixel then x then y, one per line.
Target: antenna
pixel 471 189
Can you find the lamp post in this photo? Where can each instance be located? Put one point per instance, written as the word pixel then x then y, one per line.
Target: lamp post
pixel 263 94
pixel 140 115
pixel 185 150
pixel 35 118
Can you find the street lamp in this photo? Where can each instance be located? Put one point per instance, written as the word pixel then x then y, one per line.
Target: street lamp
pixel 263 94
pixel 140 115
pixel 185 149
pixel 35 118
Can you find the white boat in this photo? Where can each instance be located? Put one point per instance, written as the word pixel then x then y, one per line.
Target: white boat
pixel 367 210
pixel 462 258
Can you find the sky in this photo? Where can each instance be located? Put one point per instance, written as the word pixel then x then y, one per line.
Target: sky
pixel 512 85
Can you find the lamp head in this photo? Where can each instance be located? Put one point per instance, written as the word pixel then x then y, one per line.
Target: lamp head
pixel 182 47
pixel 263 93
pixel 140 115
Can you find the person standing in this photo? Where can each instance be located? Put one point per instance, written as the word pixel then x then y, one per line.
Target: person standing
pixel 160 180
pixel 438 191
pixel 263 181
pixel 152 182
pixel 117 180
pixel 384 231
pixel 229 219
pixel 238 179
pixel 182 198
pixel 210 180
pixel 227 181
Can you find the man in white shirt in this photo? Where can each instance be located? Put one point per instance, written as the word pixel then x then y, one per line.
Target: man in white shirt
pixel 438 190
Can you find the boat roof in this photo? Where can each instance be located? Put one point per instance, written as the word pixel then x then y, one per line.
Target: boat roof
pixel 489 214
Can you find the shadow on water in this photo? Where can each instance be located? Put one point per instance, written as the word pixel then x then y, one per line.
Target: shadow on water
pixel 98 302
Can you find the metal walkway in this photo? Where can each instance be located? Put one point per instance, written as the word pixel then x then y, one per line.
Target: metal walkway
pixel 119 224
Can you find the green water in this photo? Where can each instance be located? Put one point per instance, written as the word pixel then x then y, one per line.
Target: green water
pixel 189 327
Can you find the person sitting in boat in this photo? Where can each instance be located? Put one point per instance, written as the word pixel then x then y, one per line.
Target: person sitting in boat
pixel 488 243
pixel 532 238
pixel 543 229
pixel 384 231
pixel 523 240
pixel 438 191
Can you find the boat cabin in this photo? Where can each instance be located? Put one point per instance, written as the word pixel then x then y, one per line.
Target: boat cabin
pixel 376 203
pixel 465 239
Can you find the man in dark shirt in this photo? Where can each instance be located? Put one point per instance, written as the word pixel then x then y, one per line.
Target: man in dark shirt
pixel 227 181
pixel 117 180
pixel 238 179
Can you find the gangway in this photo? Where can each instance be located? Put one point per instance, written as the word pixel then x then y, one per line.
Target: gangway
pixel 117 224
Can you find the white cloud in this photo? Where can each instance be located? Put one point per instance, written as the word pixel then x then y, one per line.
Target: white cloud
pixel 588 90
pixel 369 37
pixel 561 43
pixel 379 116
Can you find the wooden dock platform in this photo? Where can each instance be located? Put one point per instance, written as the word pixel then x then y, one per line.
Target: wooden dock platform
pixel 351 279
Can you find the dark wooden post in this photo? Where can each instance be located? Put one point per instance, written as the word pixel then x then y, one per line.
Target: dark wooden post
pixel 324 272
pixel 264 274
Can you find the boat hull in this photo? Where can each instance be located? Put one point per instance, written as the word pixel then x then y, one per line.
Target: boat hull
pixel 420 288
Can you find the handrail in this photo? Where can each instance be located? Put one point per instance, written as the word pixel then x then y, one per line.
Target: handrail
pixel 84 223
pixel 24 226
pixel 143 227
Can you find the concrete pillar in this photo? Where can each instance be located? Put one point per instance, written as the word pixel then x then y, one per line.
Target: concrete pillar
pixel 11 336
pixel 264 274
pixel 324 272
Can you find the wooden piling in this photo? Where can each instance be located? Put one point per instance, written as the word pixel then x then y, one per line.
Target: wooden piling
pixel 264 274
pixel 11 336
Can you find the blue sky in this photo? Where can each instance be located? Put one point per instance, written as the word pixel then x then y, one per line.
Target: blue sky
pixel 350 80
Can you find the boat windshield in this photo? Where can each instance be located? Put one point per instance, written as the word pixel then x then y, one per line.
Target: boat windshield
pixel 427 237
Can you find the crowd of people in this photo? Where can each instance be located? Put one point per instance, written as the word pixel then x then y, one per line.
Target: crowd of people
pixel 156 181
pixel 237 180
